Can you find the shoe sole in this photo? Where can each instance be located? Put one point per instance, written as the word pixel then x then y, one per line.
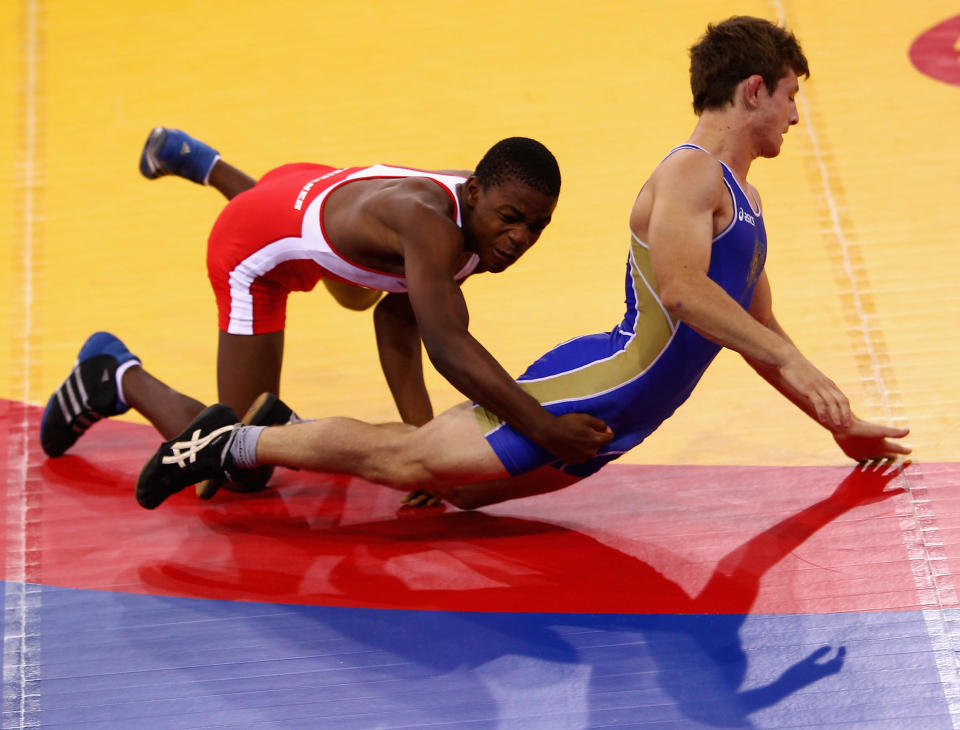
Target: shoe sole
pixel 257 415
pixel 149 166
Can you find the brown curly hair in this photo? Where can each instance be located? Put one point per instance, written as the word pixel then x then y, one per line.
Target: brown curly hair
pixel 737 48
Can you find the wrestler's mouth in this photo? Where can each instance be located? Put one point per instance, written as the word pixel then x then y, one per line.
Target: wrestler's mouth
pixel 501 258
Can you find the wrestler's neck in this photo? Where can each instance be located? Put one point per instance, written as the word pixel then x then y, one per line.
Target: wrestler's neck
pixel 728 135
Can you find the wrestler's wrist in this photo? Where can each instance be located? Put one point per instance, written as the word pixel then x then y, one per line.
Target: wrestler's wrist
pixel 545 429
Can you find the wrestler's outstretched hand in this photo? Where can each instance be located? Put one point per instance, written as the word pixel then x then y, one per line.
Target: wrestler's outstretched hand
pixel 862 440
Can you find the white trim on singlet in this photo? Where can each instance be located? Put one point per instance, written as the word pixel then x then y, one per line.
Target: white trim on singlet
pixel 757 211
pixel 249 270
pixel 312 245
pixel 754 203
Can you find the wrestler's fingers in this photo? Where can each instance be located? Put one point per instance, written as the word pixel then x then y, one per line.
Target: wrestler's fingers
pixel 876 464
pixel 894 432
pixel 597 424
pixel 839 407
pixel 820 409
pixel 896 447
pixel 421 498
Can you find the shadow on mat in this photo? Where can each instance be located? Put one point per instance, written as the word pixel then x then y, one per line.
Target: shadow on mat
pixel 586 595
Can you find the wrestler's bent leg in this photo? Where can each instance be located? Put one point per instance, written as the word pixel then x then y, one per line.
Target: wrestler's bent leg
pixel 248 365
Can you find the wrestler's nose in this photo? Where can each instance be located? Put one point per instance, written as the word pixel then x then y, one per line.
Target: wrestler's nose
pixel 520 238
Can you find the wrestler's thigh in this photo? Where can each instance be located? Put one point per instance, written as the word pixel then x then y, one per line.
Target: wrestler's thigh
pixel 453 450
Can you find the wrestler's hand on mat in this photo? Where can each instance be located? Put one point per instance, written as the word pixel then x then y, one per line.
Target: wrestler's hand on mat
pixel 862 440
pixel 575 437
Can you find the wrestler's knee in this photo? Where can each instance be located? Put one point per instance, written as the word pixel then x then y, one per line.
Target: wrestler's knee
pixel 350 296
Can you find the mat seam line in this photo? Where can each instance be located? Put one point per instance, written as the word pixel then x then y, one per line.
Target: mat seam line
pixel 21 666
pixel 919 534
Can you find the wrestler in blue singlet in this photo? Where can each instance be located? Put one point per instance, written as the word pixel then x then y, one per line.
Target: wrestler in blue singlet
pixel 635 376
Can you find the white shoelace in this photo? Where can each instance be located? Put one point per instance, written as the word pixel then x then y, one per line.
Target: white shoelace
pixel 184 451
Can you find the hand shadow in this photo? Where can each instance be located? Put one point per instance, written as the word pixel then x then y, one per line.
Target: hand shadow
pixel 692 643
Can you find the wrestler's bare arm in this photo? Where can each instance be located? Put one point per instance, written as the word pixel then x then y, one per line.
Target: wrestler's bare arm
pixel 401 357
pixel 858 439
pixel 432 248
pixel 687 190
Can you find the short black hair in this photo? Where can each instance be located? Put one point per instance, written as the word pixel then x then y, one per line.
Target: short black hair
pixel 521 159
pixel 737 48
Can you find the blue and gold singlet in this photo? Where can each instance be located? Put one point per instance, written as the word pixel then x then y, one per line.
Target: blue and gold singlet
pixel 635 376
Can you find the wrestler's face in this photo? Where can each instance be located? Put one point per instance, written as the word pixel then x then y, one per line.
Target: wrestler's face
pixel 777 113
pixel 501 222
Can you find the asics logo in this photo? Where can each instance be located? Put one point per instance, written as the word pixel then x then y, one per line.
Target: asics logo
pixel 744 216
pixel 186 451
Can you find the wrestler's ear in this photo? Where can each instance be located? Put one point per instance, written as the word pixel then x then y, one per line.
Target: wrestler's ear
pixel 751 88
pixel 472 190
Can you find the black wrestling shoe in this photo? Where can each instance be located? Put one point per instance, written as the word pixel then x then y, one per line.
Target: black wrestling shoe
pixel 202 451
pixel 88 395
pixel 267 410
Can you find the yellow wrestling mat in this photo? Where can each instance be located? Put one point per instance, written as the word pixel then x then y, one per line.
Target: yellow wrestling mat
pixel 860 207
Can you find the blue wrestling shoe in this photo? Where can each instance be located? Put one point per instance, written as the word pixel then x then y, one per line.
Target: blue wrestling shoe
pixel 172 152
pixel 88 394
pixel 202 451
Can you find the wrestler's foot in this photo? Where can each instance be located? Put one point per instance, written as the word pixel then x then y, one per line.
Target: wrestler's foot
pixel 172 152
pixel 267 410
pixel 90 392
pixel 202 451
